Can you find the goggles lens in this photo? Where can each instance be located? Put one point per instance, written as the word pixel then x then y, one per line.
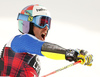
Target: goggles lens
pixel 39 21
pixel 42 21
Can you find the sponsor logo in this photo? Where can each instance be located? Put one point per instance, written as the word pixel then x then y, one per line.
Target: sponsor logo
pixel 30 18
pixel 40 9
pixel 36 65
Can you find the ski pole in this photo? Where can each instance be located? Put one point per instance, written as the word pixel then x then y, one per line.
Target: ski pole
pixel 62 68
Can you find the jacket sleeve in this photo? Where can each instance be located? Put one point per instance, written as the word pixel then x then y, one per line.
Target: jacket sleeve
pixel 30 44
pixel 27 43
pixel 53 51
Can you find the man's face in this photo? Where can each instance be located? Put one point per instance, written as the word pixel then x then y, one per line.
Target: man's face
pixel 40 33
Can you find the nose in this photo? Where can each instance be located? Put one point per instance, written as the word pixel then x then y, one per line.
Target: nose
pixel 46 27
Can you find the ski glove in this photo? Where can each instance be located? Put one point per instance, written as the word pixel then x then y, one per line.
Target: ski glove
pixel 71 55
pixel 85 58
pixel 75 55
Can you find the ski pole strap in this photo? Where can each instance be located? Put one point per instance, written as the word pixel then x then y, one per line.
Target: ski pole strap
pixel 62 68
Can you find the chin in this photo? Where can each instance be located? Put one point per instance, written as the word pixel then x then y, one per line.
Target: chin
pixel 42 40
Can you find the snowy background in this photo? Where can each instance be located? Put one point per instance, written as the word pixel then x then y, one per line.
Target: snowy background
pixel 75 24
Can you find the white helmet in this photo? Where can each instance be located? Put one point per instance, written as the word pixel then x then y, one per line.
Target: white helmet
pixel 33 14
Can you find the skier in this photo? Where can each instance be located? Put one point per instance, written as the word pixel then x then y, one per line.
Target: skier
pixel 19 56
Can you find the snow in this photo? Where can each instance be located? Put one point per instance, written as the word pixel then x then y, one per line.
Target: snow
pixel 75 24
pixel 68 36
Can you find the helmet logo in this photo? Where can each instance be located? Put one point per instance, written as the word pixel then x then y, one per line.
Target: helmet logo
pixel 30 18
pixel 40 9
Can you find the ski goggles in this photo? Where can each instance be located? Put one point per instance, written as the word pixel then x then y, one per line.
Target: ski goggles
pixel 39 21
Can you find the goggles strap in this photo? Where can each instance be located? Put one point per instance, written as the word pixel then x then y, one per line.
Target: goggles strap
pixel 25 17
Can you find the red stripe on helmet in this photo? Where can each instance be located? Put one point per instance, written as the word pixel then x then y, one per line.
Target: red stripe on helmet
pixel 30 8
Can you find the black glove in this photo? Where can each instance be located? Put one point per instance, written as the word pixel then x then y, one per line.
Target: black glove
pixel 71 55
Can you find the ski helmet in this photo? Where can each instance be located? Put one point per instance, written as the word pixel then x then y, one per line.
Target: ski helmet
pixel 32 14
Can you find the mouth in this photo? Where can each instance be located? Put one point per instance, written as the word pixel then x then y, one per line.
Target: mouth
pixel 43 35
